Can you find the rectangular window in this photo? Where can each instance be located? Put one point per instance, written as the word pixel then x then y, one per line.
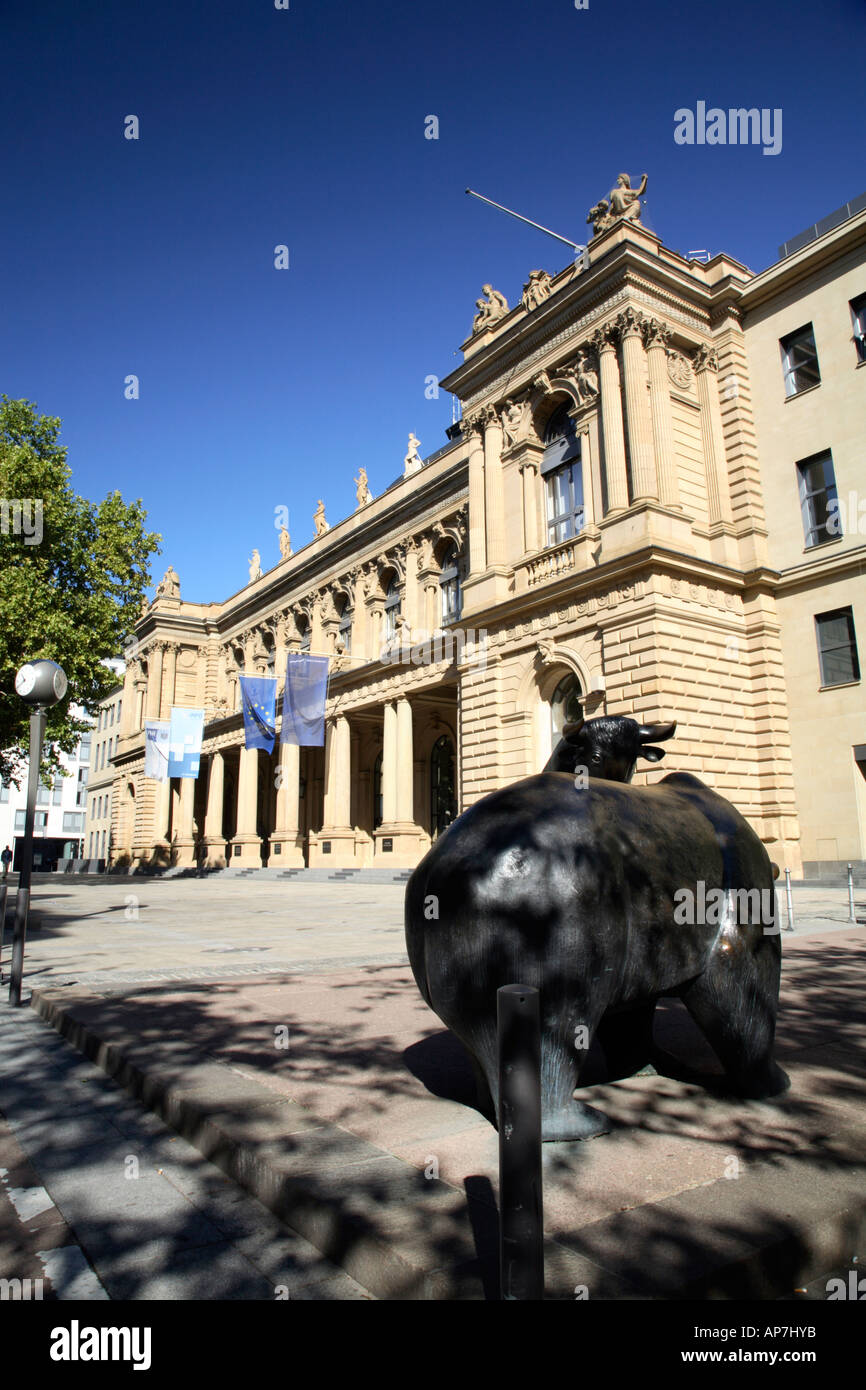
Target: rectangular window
pixel 19 820
pixel 57 791
pixel 819 502
pixel 84 749
pixel 111 716
pixel 858 314
pixel 800 361
pixel 837 647
pixel 564 490
pixel 73 821
pixel 4 793
pixel 42 795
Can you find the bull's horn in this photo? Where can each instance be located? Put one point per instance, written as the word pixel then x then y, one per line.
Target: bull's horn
pixel 650 733
pixel 570 731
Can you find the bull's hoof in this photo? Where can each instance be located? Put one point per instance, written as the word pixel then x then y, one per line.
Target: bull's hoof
pixel 576 1121
pixel 763 1085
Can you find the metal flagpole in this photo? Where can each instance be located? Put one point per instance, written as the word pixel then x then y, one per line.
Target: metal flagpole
pixel 577 247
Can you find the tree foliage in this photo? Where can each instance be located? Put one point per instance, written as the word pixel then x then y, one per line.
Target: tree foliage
pixel 72 595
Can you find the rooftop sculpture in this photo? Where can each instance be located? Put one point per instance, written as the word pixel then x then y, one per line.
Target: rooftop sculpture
pixel 622 203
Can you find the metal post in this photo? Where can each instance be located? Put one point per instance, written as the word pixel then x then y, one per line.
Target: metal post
pixel 4 889
pixel 521 1250
pixel 790 926
pixel 22 903
pixel 851 914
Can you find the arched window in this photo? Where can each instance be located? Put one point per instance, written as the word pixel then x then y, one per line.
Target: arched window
pixel 443 797
pixel 566 706
pixel 562 471
pixel 306 631
pixel 392 608
pixel 449 586
pixel 377 791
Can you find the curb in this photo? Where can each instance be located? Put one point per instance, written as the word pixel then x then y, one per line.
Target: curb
pixel 374 1215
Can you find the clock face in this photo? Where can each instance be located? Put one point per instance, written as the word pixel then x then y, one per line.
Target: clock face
pixel 60 683
pixel 25 680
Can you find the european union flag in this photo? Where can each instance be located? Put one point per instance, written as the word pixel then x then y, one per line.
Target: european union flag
pixel 259 696
pixel 304 700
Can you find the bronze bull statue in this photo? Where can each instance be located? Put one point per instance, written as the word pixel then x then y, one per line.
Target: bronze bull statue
pixel 575 883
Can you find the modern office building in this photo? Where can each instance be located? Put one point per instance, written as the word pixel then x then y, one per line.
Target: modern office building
pixel 58 831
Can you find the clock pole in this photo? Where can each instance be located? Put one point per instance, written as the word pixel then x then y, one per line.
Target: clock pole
pixel 41 684
pixel 22 902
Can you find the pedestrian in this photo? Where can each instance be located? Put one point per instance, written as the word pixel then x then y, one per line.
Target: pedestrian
pixel 6 859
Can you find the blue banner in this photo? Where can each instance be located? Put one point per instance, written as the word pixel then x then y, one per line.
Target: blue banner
pixel 259 696
pixel 184 742
pixel 156 749
pixel 304 700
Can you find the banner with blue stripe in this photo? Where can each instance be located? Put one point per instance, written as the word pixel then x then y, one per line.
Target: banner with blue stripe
pixel 259 696
pixel 304 700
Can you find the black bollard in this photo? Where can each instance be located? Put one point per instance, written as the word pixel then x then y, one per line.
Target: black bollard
pixel 4 888
pixel 521 1250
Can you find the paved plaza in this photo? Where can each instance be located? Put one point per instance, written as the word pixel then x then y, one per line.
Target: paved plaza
pixel 128 929
pixel 277 1029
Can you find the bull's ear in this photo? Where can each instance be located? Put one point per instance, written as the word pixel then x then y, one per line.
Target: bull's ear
pixel 571 731
pixel 648 732
pixel 654 755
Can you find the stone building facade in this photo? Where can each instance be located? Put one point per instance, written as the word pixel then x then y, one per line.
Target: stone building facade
pixel 805 325
pixel 593 539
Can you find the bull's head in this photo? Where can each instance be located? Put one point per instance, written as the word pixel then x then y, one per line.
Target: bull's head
pixel 608 747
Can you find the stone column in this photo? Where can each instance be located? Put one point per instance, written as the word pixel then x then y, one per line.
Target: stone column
pixel 411 588
pixel 330 772
pixel 643 471
pixel 718 491
pixel 359 617
pixel 316 634
pixel 140 704
pixel 162 814
pixel 343 773
pixel 604 342
pixel 215 845
pixel 656 339
pixel 529 474
pixel 494 501
pixel 183 848
pixel 405 809
pixel 127 715
pixel 246 833
pixel 389 764
pixel 200 677
pixel 290 854
pixel 471 425
pixel 154 680
pixel 168 679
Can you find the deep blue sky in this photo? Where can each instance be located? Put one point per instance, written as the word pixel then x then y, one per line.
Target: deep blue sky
pixel 262 388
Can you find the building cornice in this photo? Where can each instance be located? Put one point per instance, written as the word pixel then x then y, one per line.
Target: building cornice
pixel 786 274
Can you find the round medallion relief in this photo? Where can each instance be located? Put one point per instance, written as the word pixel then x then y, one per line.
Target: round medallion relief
pixel 679 370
